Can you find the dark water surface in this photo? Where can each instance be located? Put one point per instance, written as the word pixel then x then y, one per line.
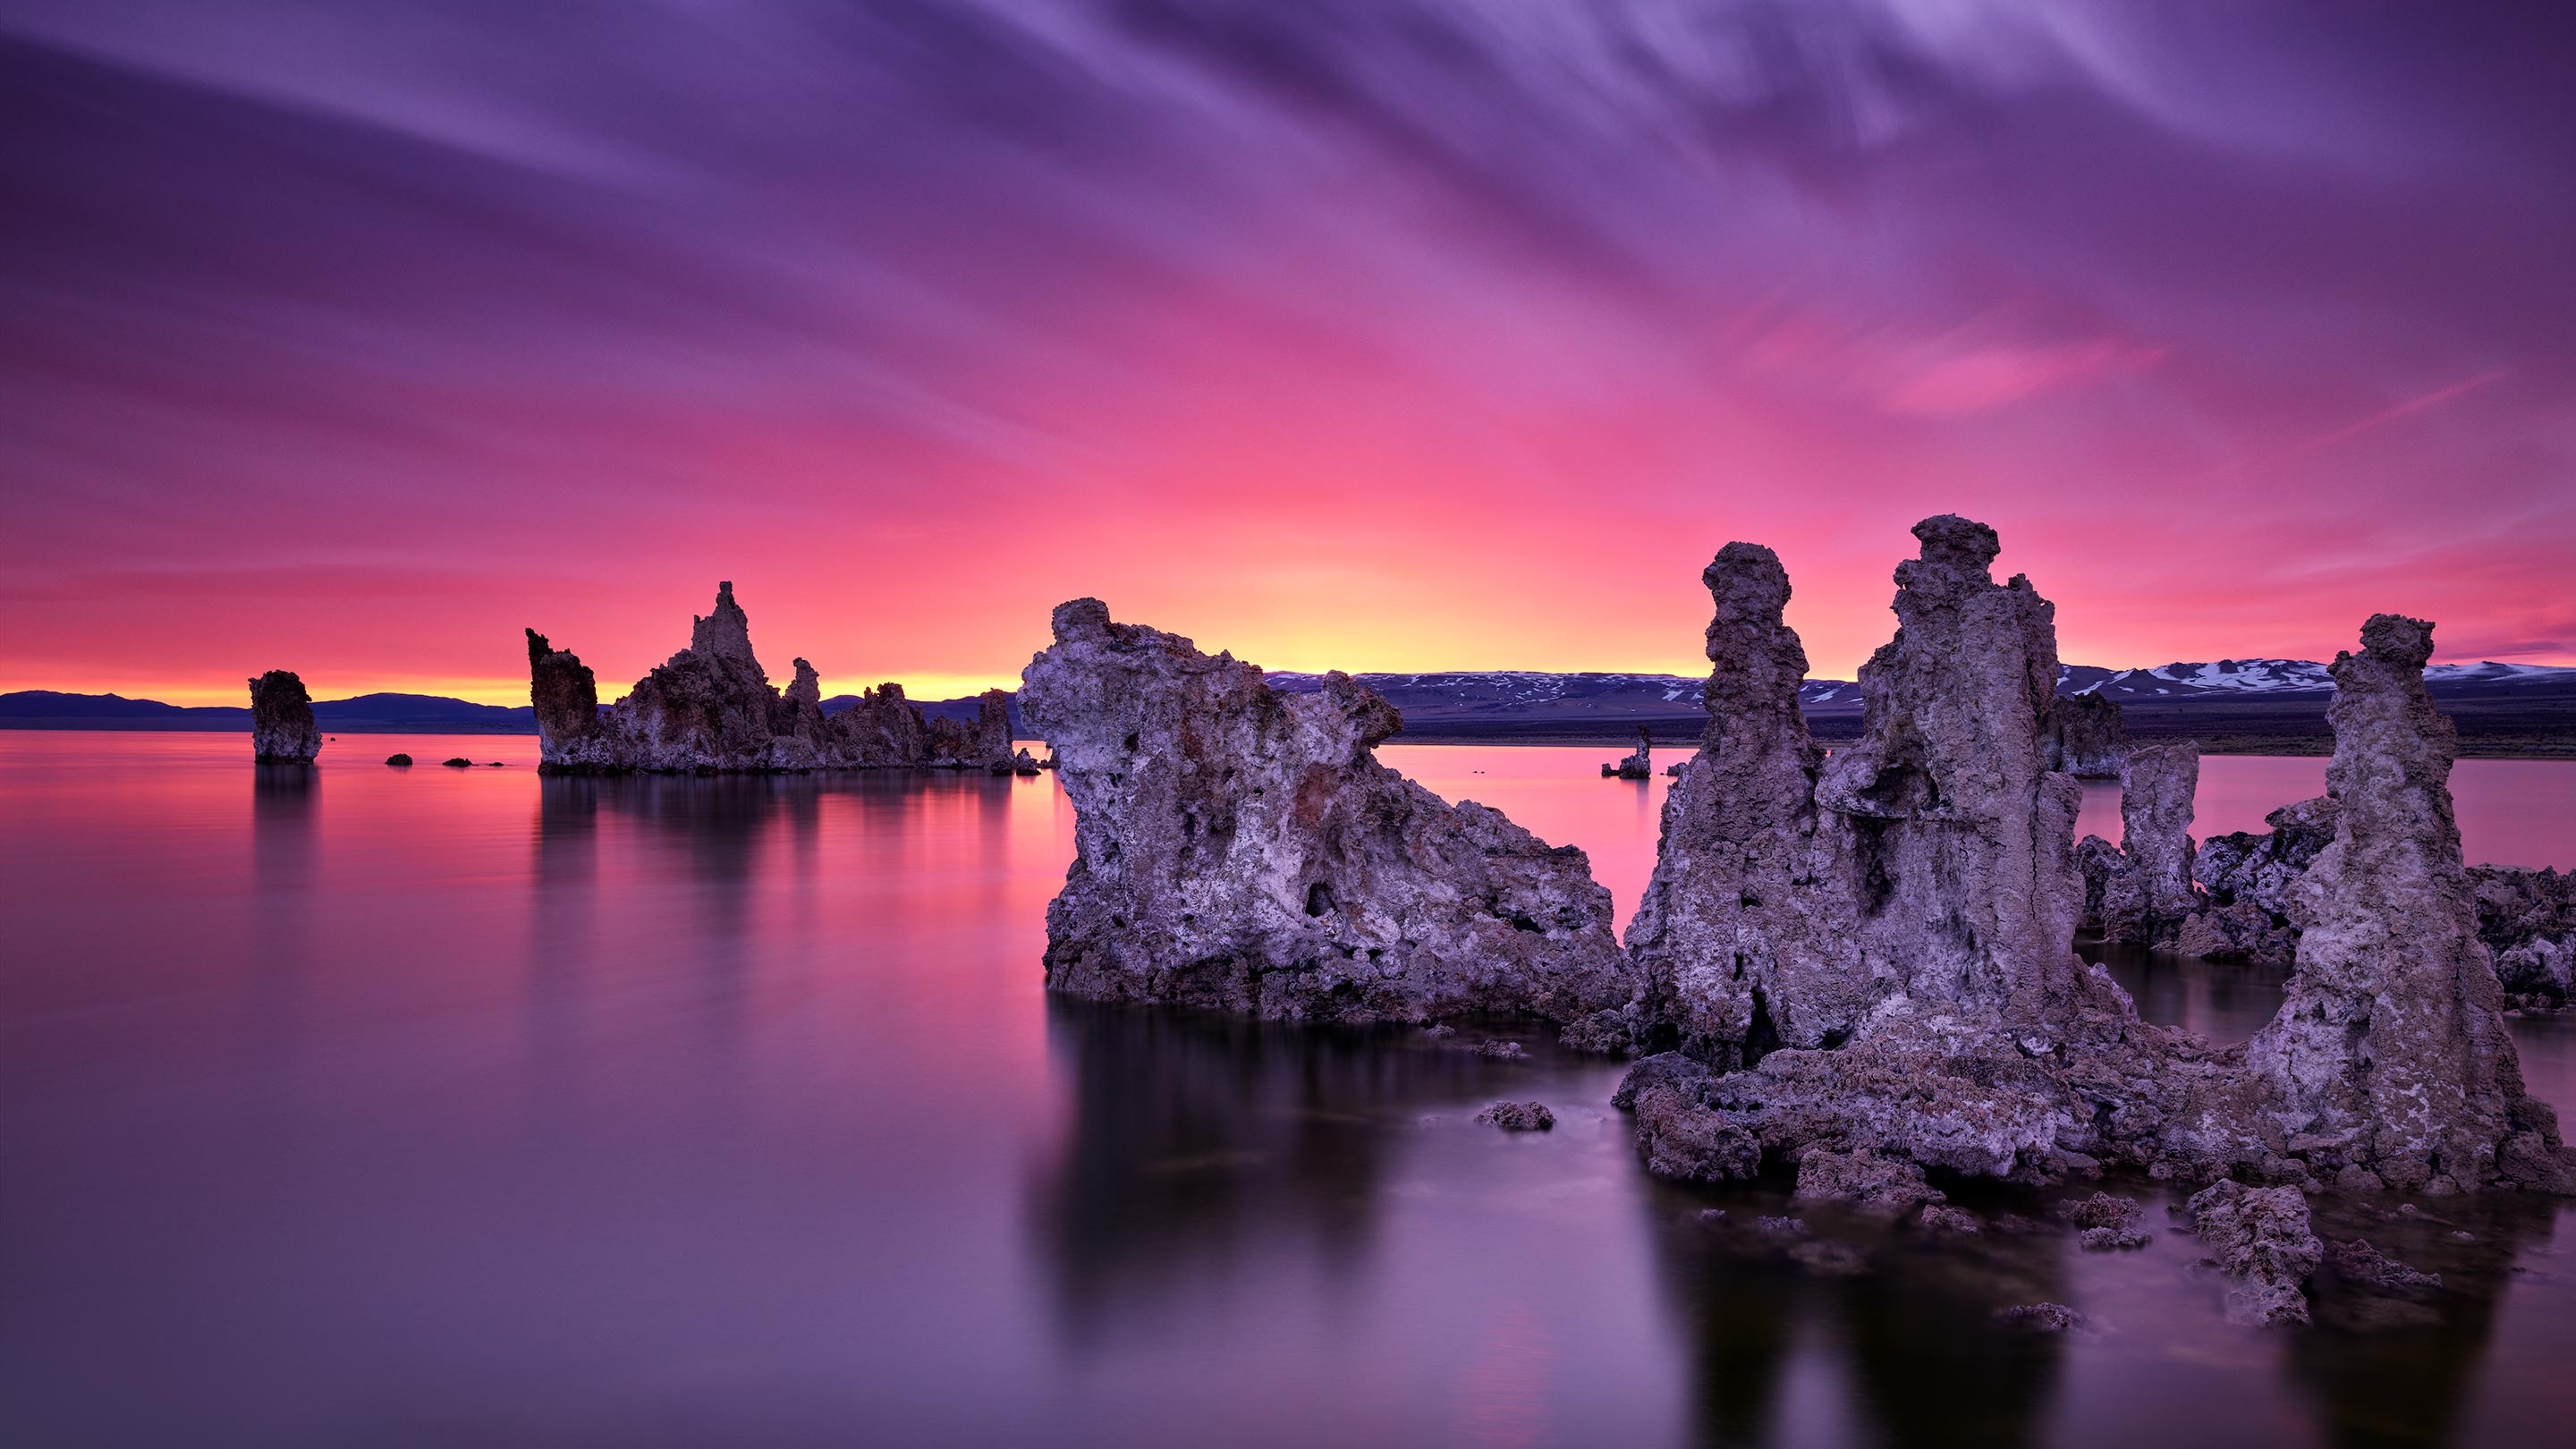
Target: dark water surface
pixel 373 1107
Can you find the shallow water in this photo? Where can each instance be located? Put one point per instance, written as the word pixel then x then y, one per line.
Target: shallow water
pixel 433 1106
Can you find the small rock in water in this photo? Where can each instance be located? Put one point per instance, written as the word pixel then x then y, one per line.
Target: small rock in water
pixel 397 759
pixel 2356 1261
pixel 1950 1222
pixel 1439 1031
pixel 2109 1223
pixel 1517 1116
pixel 2043 1318
pixel 1831 1259
pixel 1500 1050
pixel 2259 1236
pixel 458 763
pixel 1864 1183
pixel 1780 1229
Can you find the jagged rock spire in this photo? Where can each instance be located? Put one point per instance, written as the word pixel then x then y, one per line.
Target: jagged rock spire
pixel 725 632
pixel 2392 1038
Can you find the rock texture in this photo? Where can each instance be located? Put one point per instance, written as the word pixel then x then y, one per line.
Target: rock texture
pixel 1638 764
pixel 711 709
pixel 1517 1117
pixel 2142 892
pixel 2085 738
pixel 2249 880
pixel 1241 848
pixel 282 731
pixel 1872 953
pixel 2259 1238
pixel 2391 1046
pixel 2527 918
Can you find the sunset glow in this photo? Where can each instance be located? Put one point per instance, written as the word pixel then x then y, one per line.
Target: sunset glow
pixel 1429 337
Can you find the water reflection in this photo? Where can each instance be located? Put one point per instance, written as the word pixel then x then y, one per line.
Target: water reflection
pixel 2386 1369
pixel 1902 1349
pixel 2224 1001
pixel 1198 1139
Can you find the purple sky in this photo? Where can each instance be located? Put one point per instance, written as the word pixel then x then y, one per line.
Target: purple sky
pixel 1370 333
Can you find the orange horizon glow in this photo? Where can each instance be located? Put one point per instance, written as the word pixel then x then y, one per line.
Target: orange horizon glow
pixel 337 357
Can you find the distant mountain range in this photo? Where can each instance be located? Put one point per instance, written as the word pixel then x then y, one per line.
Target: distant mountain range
pixel 428 714
pixel 2258 696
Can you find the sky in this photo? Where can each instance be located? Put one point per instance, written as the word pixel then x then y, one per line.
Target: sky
pixel 1362 334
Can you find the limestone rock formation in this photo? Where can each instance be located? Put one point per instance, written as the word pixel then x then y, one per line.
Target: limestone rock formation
pixel 1875 951
pixel 2249 880
pixel 282 731
pixel 2527 918
pixel 1639 764
pixel 1517 1117
pixel 2391 1044
pixel 2259 1238
pixel 2142 892
pixel 1241 848
pixel 2085 737
pixel 710 708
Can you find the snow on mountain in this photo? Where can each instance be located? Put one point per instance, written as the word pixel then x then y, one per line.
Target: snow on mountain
pixel 2289 678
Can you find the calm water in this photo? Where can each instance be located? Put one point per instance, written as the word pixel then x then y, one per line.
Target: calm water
pixel 440 1107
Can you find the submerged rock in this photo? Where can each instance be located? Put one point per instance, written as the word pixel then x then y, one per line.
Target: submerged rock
pixel 1240 848
pixel 2085 737
pixel 710 708
pixel 2355 1261
pixel 1863 1183
pixel 2105 1223
pixel 1517 1117
pixel 457 762
pixel 282 731
pixel 2259 1238
pixel 398 759
pixel 2391 1048
pixel 2043 1318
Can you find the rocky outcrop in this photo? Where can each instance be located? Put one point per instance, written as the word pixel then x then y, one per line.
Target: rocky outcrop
pixel 1638 764
pixel 282 731
pixel 2527 918
pixel 711 709
pixel 2390 1050
pixel 1874 952
pixel 1241 848
pixel 2085 738
pixel 1517 1117
pixel 2260 1239
pixel 1871 954
pixel 2142 892
pixel 2249 880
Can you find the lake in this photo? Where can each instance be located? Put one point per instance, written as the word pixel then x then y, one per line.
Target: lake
pixel 431 1106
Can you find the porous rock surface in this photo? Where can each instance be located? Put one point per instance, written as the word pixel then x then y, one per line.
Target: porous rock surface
pixel 1241 848
pixel 2248 879
pixel 2390 1048
pixel 2527 918
pixel 1517 1117
pixel 1873 952
pixel 710 708
pixel 282 731
pixel 2085 737
pixel 2259 1237
pixel 2142 891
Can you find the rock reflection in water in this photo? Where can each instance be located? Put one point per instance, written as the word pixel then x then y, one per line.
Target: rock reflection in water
pixel 1198 1137
pixel 1908 1323
pixel 2224 1001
